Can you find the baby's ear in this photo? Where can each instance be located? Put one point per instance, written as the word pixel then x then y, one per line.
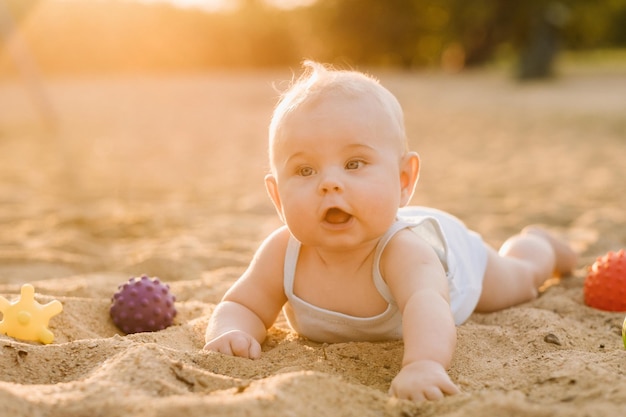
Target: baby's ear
pixel 409 173
pixel 272 190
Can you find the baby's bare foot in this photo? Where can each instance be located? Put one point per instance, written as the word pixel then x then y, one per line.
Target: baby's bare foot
pixel 566 257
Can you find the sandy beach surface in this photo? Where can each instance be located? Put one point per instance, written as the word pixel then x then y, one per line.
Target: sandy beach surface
pixel 163 175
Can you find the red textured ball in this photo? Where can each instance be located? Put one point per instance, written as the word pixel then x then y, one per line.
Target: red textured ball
pixel 143 305
pixel 605 284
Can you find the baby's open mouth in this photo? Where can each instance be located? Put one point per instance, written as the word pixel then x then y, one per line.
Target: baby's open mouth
pixel 337 216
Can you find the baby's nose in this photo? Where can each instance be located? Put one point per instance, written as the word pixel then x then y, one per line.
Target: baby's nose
pixel 329 188
pixel 330 183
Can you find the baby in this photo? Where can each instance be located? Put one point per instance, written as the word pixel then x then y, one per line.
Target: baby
pixel 352 263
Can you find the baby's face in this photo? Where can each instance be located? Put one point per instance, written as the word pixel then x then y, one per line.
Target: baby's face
pixel 336 172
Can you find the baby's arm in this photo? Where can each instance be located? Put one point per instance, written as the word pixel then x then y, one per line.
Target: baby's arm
pixel 235 330
pixel 418 282
pixel 240 321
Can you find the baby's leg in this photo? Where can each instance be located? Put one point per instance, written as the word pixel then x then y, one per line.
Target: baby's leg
pixel 522 265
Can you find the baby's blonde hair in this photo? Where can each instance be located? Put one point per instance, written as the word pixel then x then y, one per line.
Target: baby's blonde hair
pixel 319 80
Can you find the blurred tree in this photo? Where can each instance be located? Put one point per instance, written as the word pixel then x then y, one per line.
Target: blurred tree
pixel 420 32
pixel 263 35
pixel 480 26
pixel 415 32
pixel 540 50
pixel 601 23
pixel 368 31
pixel 126 35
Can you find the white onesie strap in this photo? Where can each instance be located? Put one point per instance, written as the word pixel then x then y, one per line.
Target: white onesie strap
pixel 426 228
pixel 291 260
pixel 379 282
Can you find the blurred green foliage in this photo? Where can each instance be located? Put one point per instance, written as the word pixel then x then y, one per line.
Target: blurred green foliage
pixel 418 32
pixel 113 35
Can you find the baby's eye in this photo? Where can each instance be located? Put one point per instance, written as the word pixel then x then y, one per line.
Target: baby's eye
pixel 305 171
pixel 356 164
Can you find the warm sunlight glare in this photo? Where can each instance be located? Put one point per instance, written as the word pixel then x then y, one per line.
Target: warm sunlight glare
pixel 227 5
pixel 288 4
pixel 208 5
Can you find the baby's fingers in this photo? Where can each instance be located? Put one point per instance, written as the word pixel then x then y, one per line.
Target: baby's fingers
pixel 235 343
pixel 219 346
pixel 417 394
pixel 449 388
pixel 435 393
pixel 430 394
pixel 245 347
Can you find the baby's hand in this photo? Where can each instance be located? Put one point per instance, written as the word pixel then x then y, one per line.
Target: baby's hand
pixel 422 380
pixel 235 343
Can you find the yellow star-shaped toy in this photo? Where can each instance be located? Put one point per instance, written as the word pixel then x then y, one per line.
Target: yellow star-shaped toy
pixel 26 319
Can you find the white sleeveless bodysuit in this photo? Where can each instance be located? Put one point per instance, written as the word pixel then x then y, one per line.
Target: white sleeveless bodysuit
pixel 462 254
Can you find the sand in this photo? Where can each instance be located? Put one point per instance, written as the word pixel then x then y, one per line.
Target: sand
pixel 163 175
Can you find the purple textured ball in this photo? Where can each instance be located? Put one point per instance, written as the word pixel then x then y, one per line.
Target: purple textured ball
pixel 143 305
